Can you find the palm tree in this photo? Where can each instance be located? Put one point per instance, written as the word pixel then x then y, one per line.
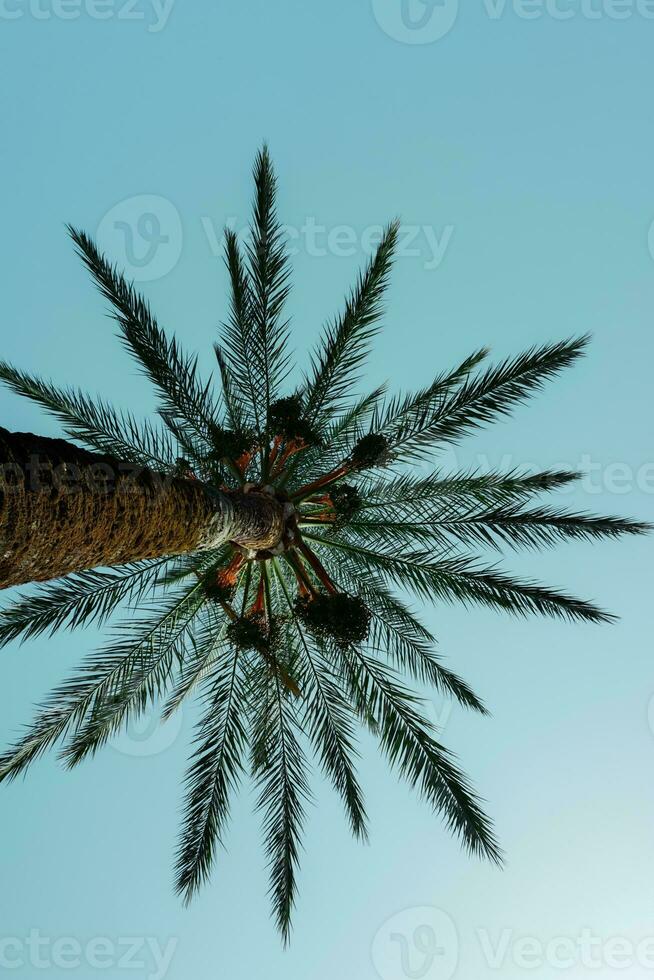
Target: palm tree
pixel 268 530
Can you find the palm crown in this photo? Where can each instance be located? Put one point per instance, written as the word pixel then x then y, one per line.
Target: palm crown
pixel 290 646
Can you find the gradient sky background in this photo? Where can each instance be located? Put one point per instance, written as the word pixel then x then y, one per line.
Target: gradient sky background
pixel 524 146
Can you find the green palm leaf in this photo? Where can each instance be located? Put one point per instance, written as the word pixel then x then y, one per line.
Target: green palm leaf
pixel 268 275
pixel 419 498
pixel 407 740
pixel 409 646
pixel 110 682
pixel 242 382
pixel 207 646
pixel 94 423
pixel 346 342
pixel 280 771
pixel 328 723
pixel 78 600
pixel 173 373
pixel 462 579
pixel 214 773
pixel 134 673
pixel 535 527
pixel 478 401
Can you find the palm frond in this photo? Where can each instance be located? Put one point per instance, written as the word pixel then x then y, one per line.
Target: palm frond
pixel 173 373
pixel 132 672
pixel 420 498
pixel 234 408
pixel 214 772
pixel 409 645
pixel 480 400
pixel 268 274
pixel 206 644
pixel 346 341
pixel 240 375
pixel 78 599
pixel 93 422
pixel 253 355
pixel 407 739
pixel 510 525
pixel 327 721
pixel 464 580
pixel 112 677
pixel 535 527
pixel 404 417
pixel 280 772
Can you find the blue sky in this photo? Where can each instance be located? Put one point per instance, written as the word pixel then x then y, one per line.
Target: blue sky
pixel 514 140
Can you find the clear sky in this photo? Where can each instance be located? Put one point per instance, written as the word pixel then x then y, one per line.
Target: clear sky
pixel 515 141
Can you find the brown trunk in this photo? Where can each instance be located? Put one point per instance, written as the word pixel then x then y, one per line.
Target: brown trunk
pixel 64 509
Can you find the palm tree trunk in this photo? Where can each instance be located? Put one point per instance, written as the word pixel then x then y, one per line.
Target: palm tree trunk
pixel 64 509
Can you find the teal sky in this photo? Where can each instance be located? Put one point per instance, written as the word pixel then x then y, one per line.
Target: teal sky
pixel 517 149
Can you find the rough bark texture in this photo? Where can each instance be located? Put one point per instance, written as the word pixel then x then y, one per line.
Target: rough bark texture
pixel 259 520
pixel 65 509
